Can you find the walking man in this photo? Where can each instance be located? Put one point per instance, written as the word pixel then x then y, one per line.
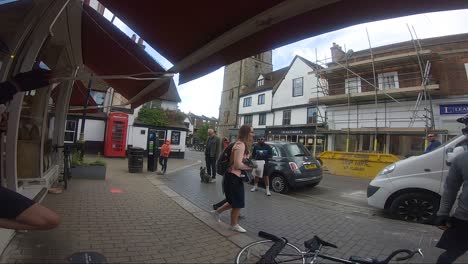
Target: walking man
pixel 455 239
pixel 434 143
pixel 262 152
pixel 212 151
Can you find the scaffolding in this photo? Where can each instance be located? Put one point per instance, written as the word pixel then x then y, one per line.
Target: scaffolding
pixel 369 74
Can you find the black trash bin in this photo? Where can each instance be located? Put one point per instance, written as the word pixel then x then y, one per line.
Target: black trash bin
pixel 135 160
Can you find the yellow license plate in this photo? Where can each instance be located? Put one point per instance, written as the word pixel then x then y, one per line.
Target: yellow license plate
pixel 310 166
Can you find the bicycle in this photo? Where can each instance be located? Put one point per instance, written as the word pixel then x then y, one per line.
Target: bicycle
pixel 66 175
pixel 279 250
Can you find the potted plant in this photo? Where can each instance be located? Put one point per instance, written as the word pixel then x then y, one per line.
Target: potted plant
pixel 95 170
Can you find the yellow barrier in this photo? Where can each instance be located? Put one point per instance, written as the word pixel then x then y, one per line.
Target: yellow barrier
pixel 356 164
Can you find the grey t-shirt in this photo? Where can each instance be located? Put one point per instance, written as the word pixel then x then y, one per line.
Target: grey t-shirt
pixel 456 179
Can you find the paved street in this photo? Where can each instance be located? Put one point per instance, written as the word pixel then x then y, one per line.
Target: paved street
pixel 125 218
pixel 300 216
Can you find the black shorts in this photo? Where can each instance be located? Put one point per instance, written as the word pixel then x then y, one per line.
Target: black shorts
pixel 233 187
pixel 456 237
pixel 12 203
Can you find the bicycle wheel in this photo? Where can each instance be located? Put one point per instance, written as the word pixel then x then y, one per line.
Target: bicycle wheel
pixel 253 251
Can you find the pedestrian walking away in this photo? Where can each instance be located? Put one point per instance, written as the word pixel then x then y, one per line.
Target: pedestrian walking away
pixel 455 237
pixel 262 152
pixel 212 151
pixel 233 185
pixel 164 156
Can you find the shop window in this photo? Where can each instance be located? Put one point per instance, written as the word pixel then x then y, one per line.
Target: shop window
pixel 286 117
pixel 388 80
pixel 312 115
pixel 261 99
pixel 297 87
pixel 406 146
pixel 247 101
pixel 248 120
pixel 353 85
pixel 175 138
pixel 262 119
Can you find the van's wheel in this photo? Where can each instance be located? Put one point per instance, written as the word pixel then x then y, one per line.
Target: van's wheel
pixel 416 207
pixel 279 184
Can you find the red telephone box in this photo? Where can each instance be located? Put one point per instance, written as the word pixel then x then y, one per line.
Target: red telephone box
pixel 116 135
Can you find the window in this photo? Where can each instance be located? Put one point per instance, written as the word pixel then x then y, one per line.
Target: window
pixel 261 99
pixel 248 120
pixel 353 85
pixel 226 117
pixel 388 80
pixel 286 117
pixel 274 151
pixel 466 70
pixel 297 87
pixel 258 57
pixel 247 101
pixel 70 128
pixel 311 115
pixel 262 119
pixel 175 137
pixel 231 95
pixel 260 82
pixel 142 132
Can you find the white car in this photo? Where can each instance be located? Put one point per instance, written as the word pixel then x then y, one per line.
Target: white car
pixel 410 189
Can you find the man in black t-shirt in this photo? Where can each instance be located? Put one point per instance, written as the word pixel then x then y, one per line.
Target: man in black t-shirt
pixel 262 152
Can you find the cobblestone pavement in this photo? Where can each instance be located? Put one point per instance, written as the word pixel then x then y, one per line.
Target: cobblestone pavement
pixel 125 218
pixel 355 233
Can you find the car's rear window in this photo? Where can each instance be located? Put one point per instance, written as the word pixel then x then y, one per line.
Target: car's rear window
pixel 296 150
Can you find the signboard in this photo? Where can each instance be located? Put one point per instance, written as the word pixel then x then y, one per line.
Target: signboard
pixel 291 131
pixel 454 109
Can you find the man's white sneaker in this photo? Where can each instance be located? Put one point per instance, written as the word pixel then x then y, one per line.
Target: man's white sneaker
pixel 238 228
pixel 254 189
pixel 216 215
pixel 268 193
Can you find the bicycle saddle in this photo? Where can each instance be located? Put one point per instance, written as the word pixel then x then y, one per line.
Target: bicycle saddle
pixel 316 242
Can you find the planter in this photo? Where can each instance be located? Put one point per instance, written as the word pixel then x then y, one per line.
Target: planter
pixel 92 172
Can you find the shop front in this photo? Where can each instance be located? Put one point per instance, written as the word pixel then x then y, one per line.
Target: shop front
pixel 314 142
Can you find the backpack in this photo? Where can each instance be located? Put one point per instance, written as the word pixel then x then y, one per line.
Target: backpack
pixel 224 160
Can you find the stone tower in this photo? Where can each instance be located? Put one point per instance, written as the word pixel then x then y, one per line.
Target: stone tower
pixel 239 77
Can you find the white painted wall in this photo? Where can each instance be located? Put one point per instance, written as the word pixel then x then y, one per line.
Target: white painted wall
pixel 137 139
pixel 187 120
pixel 94 130
pixel 255 107
pixel 169 105
pixel 398 116
pixel 283 95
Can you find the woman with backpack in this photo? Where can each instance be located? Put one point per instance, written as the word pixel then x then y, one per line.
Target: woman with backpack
pixel 233 185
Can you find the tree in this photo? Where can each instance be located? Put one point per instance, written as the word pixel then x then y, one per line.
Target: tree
pixel 202 133
pixel 153 116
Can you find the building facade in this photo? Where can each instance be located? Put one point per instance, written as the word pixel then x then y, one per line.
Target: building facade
pixel 239 76
pixel 389 101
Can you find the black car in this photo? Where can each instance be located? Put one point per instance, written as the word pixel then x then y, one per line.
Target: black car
pixel 292 165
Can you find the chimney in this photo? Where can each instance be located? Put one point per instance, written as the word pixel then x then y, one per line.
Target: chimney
pixel 336 52
pixel 140 43
pixel 134 37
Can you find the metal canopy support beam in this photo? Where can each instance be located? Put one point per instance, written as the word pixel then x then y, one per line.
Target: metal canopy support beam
pixel 264 20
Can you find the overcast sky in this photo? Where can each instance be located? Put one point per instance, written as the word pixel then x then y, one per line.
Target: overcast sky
pixel 203 96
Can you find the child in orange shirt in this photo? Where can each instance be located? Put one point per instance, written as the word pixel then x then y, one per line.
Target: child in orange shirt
pixel 164 155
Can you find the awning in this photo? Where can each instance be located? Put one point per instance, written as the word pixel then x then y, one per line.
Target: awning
pixel 78 98
pixel 200 36
pixel 108 51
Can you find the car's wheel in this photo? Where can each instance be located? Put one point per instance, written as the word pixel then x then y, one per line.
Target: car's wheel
pixel 279 184
pixel 416 207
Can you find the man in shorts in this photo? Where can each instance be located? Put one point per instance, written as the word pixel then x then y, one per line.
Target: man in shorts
pixel 262 152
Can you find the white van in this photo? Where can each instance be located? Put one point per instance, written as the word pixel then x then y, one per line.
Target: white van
pixel 410 189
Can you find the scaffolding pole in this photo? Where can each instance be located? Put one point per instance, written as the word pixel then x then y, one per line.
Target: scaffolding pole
pixel 376 91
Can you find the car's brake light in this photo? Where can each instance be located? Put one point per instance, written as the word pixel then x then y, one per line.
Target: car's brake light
pixel 293 166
